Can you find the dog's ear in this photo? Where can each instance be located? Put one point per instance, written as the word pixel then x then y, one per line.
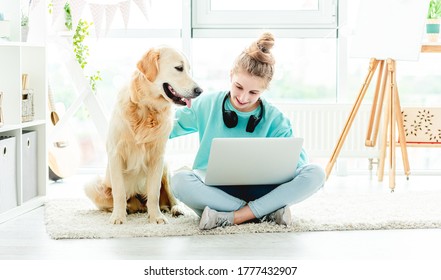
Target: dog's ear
pixel 148 65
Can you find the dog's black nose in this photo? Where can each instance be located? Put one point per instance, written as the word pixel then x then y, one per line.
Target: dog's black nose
pixel 197 91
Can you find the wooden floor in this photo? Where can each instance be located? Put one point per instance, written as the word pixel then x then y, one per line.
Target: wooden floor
pixel 25 238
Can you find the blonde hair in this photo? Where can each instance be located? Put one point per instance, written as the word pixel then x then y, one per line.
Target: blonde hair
pixel 257 59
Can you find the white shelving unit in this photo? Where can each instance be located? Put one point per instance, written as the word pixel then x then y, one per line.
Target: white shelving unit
pixel 23 183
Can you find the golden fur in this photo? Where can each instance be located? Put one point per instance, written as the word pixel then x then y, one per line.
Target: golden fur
pixel 136 178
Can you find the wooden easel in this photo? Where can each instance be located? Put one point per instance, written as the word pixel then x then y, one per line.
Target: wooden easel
pixel 386 91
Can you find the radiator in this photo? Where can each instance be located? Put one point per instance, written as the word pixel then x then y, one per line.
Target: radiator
pixel 320 126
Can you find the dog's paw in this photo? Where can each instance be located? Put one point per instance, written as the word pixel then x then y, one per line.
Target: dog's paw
pixel 165 208
pixel 177 210
pixel 118 219
pixel 159 219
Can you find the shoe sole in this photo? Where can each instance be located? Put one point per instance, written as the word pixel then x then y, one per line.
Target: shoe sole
pixel 204 216
pixel 287 216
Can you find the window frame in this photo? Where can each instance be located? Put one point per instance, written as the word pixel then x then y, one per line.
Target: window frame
pixel 203 17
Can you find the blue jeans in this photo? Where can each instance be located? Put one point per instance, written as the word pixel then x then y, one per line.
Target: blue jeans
pixel 262 199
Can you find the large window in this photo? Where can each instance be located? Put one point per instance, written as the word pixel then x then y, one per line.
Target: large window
pixel 305 47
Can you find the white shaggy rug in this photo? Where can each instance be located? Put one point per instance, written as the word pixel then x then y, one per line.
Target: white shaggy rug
pixel 78 218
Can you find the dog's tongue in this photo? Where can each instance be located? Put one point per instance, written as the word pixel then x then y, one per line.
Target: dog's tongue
pixel 187 102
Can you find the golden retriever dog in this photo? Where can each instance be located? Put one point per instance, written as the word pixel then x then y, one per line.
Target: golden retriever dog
pixel 136 178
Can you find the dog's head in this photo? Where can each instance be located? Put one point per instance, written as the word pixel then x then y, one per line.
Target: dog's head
pixel 169 70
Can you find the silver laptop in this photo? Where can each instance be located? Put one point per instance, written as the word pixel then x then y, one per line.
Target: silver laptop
pixel 251 161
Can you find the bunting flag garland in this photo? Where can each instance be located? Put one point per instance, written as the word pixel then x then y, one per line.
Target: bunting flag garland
pixel 34 3
pixel 124 6
pixel 142 5
pixel 99 10
pixel 110 14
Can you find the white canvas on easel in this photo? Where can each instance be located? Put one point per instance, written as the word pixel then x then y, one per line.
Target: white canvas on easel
pixel 389 29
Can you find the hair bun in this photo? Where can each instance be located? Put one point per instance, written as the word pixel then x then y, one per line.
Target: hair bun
pixel 261 49
pixel 257 59
pixel 265 42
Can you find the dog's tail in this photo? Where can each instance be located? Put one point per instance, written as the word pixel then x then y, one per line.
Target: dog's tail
pixel 100 194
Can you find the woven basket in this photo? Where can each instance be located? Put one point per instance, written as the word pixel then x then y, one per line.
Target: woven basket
pixel 27 105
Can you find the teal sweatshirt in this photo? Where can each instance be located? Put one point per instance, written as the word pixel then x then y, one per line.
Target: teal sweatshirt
pixel 205 117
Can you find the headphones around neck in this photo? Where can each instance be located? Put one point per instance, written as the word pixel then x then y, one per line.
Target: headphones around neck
pixel 230 117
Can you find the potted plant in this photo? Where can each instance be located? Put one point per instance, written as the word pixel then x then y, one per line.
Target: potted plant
pixel 24 27
pixel 433 20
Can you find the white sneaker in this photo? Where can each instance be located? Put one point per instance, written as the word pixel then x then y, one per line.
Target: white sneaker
pixel 283 216
pixel 212 219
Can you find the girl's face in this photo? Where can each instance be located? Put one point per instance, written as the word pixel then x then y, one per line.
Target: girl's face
pixel 245 91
